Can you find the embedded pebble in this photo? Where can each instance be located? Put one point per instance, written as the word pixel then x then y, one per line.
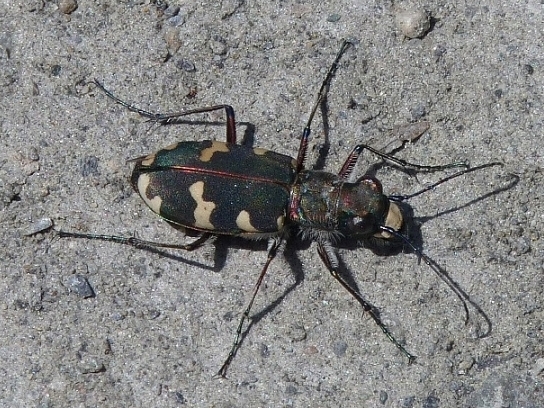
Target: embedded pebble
pixel 383 397
pixel 218 47
pixel 297 333
pixel 264 351
pixel 89 166
pixel 67 6
pixel 538 367
pixel 418 112
pixel 528 69
pixel 464 366
pixel 33 154
pixel 185 65
pixel 171 11
pixel 90 365
pixel 180 399
pixel 339 348
pixel 80 286
pixel 412 131
pixel 177 20
pixel 173 42
pixel 41 225
pixel 413 23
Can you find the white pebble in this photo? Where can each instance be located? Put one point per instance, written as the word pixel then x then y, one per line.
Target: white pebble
pixel 413 23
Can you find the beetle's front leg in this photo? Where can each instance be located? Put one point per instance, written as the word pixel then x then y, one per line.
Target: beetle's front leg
pixel 351 161
pixel 330 259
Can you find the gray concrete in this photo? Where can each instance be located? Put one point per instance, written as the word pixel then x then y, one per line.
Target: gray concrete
pixel 158 328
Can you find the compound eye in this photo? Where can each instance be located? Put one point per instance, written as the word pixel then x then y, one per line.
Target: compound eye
pixel 362 226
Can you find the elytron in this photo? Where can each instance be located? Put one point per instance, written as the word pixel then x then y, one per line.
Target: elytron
pixel 212 188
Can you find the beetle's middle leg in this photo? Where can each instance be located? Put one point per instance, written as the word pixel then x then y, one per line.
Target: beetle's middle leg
pixel 330 259
pixel 273 245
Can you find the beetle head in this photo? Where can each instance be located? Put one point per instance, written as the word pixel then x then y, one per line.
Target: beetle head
pixel 365 212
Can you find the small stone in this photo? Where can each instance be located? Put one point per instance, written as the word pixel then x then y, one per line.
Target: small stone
pixel 173 42
pixel 464 366
pixel 177 20
pixel 339 348
pixel 185 65
pixel 41 225
pixel 178 396
pixel 33 154
pixel 91 365
pixel 297 333
pixel 311 350
pixel 218 47
pixel 80 286
pixel 171 11
pixel 264 351
pixel 383 397
pixel 67 6
pixel 411 132
pixel 528 69
pixel 413 23
pixel 89 166
pixel 538 367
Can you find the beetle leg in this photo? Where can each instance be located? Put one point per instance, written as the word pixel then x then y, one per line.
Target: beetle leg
pixel 432 186
pixel 330 259
pixel 169 118
pixel 350 162
pixel 321 96
pixel 138 243
pixel 273 245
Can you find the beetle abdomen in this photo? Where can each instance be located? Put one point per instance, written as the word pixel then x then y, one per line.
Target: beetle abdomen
pixel 217 187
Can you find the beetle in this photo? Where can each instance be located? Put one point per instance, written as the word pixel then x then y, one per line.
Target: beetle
pixel 213 188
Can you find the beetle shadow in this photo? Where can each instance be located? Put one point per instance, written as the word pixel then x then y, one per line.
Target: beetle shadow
pixel 224 244
pixel 323 148
pixel 295 265
pixel 513 180
pixel 413 234
pixel 380 247
pixel 220 246
pixel 248 137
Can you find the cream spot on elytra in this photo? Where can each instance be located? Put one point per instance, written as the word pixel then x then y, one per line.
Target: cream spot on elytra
pixel 244 223
pixel 207 153
pixel 152 202
pixel 204 209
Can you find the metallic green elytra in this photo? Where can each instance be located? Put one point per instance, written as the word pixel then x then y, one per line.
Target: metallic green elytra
pixel 222 188
pixel 218 187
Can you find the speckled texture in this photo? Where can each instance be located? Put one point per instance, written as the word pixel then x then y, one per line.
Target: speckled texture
pixel 159 327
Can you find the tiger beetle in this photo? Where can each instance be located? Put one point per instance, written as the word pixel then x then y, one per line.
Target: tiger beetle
pixel 212 188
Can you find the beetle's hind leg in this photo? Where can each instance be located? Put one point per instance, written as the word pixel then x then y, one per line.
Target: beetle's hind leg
pixel 330 259
pixel 170 118
pixel 139 243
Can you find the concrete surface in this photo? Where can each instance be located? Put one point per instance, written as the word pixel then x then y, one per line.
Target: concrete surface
pixel 158 327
